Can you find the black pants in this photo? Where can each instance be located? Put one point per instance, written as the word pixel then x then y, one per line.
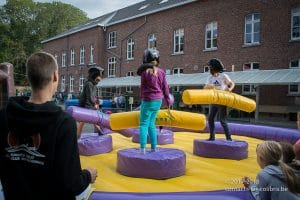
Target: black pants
pixel 214 109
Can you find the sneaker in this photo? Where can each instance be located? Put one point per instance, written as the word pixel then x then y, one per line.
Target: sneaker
pixel 143 151
pixel 228 139
pixel 154 150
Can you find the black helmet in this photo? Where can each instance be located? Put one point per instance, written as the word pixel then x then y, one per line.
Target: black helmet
pixel 94 72
pixel 150 55
pixel 216 65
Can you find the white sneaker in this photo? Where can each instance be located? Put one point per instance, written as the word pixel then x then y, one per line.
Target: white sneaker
pixel 143 150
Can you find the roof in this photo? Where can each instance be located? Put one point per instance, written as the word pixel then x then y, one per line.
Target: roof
pixel 143 8
pixel 259 77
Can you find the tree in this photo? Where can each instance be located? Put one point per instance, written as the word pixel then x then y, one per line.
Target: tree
pixel 24 24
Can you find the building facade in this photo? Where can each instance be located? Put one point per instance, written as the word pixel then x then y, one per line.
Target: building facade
pixel 245 35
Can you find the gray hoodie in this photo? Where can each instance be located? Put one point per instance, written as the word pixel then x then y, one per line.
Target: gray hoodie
pixel 270 184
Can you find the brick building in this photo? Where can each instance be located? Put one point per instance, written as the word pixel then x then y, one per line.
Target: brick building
pixel 245 35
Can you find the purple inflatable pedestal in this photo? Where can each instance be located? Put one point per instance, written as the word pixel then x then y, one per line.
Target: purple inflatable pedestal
pixel 163 137
pixel 221 148
pixel 165 163
pixel 93 144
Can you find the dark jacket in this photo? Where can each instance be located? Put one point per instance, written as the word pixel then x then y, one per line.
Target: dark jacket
pixel 38 152
pixel 88 97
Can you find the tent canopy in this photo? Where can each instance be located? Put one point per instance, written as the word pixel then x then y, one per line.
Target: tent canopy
pixel 258 77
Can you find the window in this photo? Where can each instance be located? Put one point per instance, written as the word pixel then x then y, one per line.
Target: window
pixel 177 71
pixel 211 34
pixel 81 56
pixel 151 41
pixel 63 84
pixel 252 29
pixel 294 89
pixel 72 57
pixel 249 88
pixel 206 69
pixel 71 84
pixel 130 73
pixel 81 81
pixel 178 41
pixel 129 89
pixel 250 66
pixel 176 88
pixel 63 59
pixel 112 38
pixel 91 54
pixel 112 67
pixel 295 27
pixel 295 63
pixel 130 49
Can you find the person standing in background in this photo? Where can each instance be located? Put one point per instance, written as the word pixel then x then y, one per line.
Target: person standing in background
pixel 88 97
pixel 220 81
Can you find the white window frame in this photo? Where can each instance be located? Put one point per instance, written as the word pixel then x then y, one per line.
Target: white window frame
pixel 179 71
pixel 130 73
pixel 82 55
pixel 295 60
pixel 91 54
pixel 71 84
pixel 152 41
pixel 252 23
pixel 64 59
pixel 252 64
pixel 293 93
pixel 81 82
pixel 176 88
pixel 295 13
pixel 211 28
pixel 112 40
pixel 111 67
pixel 72 57
pixel 130 49
pixel 129 89
pixel 178 40
pixel 63 83
pixel 252 90
pixel 206 69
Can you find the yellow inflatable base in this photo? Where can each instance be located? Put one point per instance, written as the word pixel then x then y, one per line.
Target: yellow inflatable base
pixel 202 174
pixel 171 118
pixel 212 96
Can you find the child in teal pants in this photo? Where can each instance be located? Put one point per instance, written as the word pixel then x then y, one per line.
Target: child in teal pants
pixel 149 110
pixel 154 88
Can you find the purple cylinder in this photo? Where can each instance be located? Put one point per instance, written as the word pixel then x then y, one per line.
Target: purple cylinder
pixel 165 163
pixel 89 116
pixel 221 148
pixel 92 144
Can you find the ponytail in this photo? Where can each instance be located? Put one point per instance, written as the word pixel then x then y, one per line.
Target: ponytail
pixel 292 180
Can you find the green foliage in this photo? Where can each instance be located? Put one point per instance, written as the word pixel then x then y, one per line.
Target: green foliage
pixel 24 24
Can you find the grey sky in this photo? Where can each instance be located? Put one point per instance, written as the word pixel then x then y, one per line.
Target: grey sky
pixel 94 8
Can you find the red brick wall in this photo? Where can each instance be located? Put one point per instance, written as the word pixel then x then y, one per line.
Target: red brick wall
pixel 274 52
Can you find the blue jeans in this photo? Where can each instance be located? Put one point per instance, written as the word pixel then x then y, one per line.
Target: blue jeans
pixel 149 110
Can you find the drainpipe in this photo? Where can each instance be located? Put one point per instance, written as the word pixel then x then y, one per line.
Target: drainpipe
pixel 257 103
